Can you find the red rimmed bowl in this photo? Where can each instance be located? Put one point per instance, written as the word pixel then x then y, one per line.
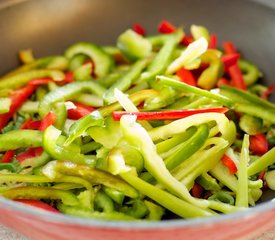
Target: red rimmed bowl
pixel 49 26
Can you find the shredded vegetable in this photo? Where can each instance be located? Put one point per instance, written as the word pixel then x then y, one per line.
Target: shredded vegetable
pixel 155 127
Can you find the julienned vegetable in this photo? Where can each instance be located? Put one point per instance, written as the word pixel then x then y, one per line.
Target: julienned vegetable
pixel 155 127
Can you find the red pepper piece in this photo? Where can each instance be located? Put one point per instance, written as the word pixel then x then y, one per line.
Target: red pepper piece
pixel 262 175
pixel 223 81
pixel 8 156
pixel 18 97
pixel 258 144
pixel 186 76
pixel 197 190
pixel 230 164
pixel 40 81
pixel 139 29
pixel 48 120
pixel 37 204
pixel 265 94
pixel 29 153
pixel 80 111
pixel 167 115
pixel 31 124
pixel 229 48
pixel 186 40
pixel 230 60
pixel 213 41
pixel 166 27
pixel 236 75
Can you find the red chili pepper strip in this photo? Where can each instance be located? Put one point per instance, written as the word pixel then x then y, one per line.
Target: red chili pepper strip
pixel 230 60
pixel 7 158
pixel 166 27
pixel 40 81
pixel 258 144
pixel 69 77
pixel 186 40
pixel 236 75
pixel 167 115
pixel 37 204
pixel 223 81
pixel 80 111
pixel 48 120
pixel 31 124
pixel 29 153
pixel 229 48
pixel 268 91
pixel 197 190
pixel 18 97
pixel 230 164
pixel 139 29
pixel 186 76
pixel 262 175
pixel 213 40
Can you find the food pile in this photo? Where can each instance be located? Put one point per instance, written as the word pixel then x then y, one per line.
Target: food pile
pixel 154 127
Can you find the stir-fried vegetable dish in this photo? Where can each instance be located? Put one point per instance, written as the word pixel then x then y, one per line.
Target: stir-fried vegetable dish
pixel 154 127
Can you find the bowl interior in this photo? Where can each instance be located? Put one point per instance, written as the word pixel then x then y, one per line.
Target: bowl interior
pixel 49 26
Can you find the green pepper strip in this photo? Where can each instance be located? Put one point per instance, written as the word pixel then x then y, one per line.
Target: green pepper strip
pixel 20 139
pixel 164 146
pixel 246 102
pixel 8 166
pixel 166 96
pixel 23 78
pixel 208 182
pixel 60 111
pixel 42 179
pixel 126 81
pixel 155 211
pixel 51 62
pixel 110 79
pixel 165 199
pixel 89 147
pixel 103 61
pixel 115 195
pixel 202 161
pixel 76 211
pixel 262 163
pixel 163 57
pixel 80 126
pixel 201 92
pixel 66 197
pixel 50 139
pixel 93 175
pixel 76 61
pixel 104 202
pixel 222 196
pixel 36 161
pixel 242 185
pixel 211 75
pixel 244 97
pixel 188 148
pixel 139 137
pixel 66 92
pixel 136 98
pixel 137 210
pixel 251 72
pixel 256 111
pixel 179 126
pixel 5 104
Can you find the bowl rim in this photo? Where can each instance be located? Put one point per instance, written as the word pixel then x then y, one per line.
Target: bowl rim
pixel 136 225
